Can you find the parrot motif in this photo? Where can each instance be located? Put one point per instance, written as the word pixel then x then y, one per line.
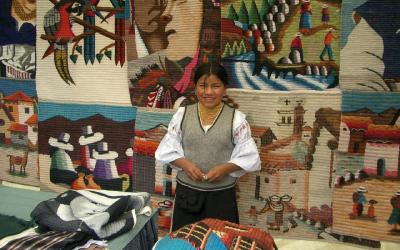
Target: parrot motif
pixel 57 23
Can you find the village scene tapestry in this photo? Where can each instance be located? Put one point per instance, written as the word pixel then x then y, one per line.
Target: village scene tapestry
pixel 86 146
pixel 18 131
pixel 281 45
pixel 171 39
pixel 296 134
pixel 292 194
pixel 367 183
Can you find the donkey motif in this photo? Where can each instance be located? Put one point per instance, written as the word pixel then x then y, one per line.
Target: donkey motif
pixel 20 161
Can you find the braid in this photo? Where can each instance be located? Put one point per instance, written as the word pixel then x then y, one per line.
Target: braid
pixel 230 102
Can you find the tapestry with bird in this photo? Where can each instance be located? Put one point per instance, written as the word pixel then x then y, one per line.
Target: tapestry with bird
pixel 71 27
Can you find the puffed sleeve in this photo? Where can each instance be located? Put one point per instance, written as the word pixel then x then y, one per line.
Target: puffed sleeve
pixel 245 153
pixel 170 147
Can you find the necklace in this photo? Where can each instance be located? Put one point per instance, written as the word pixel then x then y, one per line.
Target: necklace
pixel 207 116
pixel 19 10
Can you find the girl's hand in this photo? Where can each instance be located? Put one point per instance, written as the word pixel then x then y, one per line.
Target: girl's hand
pixel 193 171
pixel 217 173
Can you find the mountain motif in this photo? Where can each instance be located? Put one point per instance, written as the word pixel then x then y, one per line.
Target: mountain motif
pixel 385 117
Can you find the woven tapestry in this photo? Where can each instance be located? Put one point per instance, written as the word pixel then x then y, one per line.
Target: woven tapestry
pixel 18 39
pixel 86 118
pixel 149 175
pixel 85 146
pixel 370 43
pixel 281 44
pixel 81 51
pixel 366 200
pixel 296 134
pixel 171 39
pixel 18 132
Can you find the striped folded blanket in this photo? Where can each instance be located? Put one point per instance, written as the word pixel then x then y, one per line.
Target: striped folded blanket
pixel 49 241
pixel 99 213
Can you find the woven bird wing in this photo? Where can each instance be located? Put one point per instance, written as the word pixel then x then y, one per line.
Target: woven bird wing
pixel 51 22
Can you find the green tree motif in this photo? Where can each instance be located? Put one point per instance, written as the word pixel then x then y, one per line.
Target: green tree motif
pixel 264 9
pixel 232 13
pixel 254 17
pixel 243 14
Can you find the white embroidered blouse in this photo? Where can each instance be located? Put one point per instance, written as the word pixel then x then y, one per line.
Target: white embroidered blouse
pixel 244 154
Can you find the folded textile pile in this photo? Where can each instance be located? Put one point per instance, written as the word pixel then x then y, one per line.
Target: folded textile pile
pixel 99 213
pixel 213 234
pixel 50 240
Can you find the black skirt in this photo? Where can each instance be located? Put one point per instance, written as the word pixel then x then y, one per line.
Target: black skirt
pixel 193 205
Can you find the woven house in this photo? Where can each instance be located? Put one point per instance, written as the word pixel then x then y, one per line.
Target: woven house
pixel 6 119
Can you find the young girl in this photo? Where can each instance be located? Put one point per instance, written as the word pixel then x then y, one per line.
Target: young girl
pixel 210 144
